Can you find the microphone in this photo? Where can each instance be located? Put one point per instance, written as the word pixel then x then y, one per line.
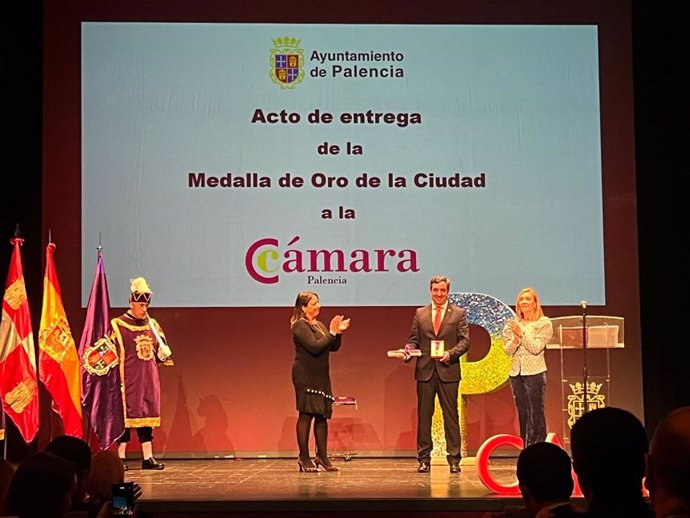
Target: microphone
pixel 583 304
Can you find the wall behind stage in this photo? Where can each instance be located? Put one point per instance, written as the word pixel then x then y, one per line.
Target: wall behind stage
pixel 230 391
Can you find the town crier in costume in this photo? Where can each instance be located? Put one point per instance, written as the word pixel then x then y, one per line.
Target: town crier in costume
pixel 141 346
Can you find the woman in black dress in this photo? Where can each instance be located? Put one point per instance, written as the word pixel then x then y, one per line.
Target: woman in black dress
pixel 314 342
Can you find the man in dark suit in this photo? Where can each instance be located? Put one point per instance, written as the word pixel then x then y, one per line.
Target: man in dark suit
pixel 441 332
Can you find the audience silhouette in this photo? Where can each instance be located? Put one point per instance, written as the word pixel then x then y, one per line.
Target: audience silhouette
pixel 544 473
pixel 6 474
pixel 668 466
pixel 78 452
pixel 106 469
pixel 42 487
pixel 609 447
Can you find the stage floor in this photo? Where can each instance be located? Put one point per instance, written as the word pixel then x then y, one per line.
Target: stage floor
pixel 386 487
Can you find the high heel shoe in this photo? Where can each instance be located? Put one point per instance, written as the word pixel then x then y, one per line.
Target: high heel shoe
pixel 326 463
pixel 307 467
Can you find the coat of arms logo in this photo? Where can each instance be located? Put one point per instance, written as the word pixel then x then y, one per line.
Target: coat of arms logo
pixel 287 62
pixel 576 400
pixel 98 359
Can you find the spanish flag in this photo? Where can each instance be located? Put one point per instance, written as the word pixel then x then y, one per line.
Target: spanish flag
pixel 57 354
pixel 18 385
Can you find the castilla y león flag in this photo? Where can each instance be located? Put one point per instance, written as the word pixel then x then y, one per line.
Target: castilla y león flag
pixel 58 363
pixel 18 385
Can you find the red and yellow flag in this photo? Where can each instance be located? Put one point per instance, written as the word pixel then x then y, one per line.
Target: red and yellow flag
pixel 57 354
pixel 18 385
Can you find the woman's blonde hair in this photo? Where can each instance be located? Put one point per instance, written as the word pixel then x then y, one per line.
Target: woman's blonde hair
pixel 303 298
pixel 538 312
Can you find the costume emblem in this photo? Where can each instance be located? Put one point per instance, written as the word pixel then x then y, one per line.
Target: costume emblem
pixel 287 62
pixel 100 357
pixel 144 347
pixel 576 400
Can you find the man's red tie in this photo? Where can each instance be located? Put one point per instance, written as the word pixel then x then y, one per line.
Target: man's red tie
pixel 437 319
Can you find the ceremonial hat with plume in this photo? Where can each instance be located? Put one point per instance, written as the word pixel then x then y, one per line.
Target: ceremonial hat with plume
pixel 140 291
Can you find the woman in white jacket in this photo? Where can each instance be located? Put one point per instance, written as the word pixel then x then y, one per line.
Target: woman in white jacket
pixel 526 338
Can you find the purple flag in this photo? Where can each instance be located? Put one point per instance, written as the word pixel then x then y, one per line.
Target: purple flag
pixel 100 373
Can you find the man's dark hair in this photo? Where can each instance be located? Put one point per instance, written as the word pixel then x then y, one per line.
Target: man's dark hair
pixel 40 486
pixel 669 454
pixel 78 452
pixel 545 470
pixel 72 449
pixel 439 278
pixel 609 447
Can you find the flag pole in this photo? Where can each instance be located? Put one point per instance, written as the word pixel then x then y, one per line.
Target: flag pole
pixel 89 429
pixel 4 445
pixel 4 442
pixel 17 345
pixel 50 414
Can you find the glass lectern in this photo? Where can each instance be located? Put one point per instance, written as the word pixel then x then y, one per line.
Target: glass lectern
pixel 587 340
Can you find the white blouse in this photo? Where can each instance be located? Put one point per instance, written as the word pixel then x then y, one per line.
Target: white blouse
pixel 528 351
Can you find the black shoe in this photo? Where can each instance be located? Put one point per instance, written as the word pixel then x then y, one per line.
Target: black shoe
pixel 424 467
pixel 455 467
pixel 151 464
pixel 124 464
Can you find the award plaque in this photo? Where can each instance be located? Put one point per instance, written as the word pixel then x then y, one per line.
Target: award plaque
pixel 404 354
pixel 437 348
